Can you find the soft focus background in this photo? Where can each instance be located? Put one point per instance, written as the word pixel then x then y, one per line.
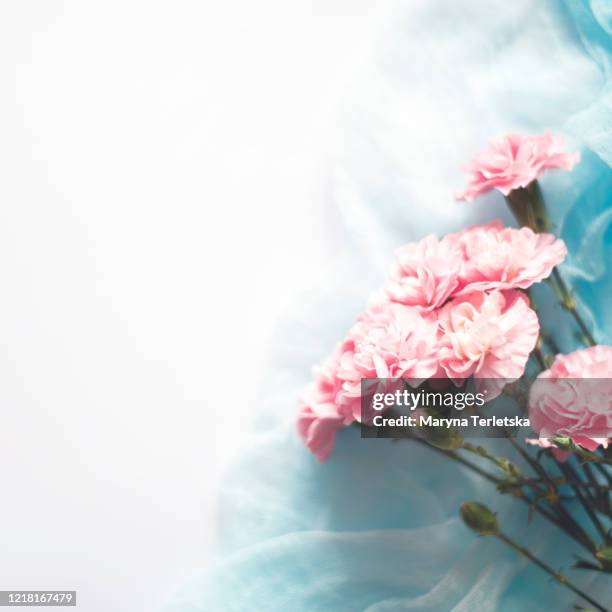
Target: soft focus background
pixel 163 165
pixel 367 530
pixel 175 177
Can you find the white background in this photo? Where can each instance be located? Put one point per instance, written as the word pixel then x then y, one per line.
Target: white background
pixel 162 167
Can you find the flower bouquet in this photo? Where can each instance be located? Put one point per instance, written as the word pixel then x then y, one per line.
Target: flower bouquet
pixel 459 313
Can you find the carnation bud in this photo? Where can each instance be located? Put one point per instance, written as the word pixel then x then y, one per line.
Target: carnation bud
pixel 479 518
pixel 564 443
pixel 568 445
pixel 445 438
pixel 604 554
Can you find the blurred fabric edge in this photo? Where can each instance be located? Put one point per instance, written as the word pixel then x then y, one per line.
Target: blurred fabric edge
pixel 376 527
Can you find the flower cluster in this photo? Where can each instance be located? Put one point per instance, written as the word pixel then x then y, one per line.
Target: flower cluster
pixel 457 308
pixel 452 308
pixel 570 403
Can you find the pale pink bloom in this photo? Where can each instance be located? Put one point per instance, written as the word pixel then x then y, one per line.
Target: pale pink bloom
pixel 498 257
pixel 388 341
pixel 514 161
pixel 593 362
pixel 319 418
pixel 317 425
pixel 425 273
pixel 489 336
pixel 574 398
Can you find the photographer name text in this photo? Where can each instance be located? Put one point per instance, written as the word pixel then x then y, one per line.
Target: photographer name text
pixel 426 420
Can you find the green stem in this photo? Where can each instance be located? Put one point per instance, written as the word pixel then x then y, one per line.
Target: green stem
pixel 571 476
pixel 605 473
pixel 591 484
pixel 533 504
pixel 549 341
pixel 527 206
pixel 572 527
pixel 537 351
pixel 599 495
pixel 558 577
pixel 503 464
pixel 455 457
pixel 568 301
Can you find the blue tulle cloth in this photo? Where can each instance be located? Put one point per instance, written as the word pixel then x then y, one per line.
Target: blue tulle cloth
pixel 376 527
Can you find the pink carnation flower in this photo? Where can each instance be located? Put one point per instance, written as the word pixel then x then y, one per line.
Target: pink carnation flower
pixel 317 426
pixel 593 362
pixel 488 336
pixel 574 398
pixel 514 161
pixel 319 418
pixel 388 341
pixel 425 273
pixel 498 257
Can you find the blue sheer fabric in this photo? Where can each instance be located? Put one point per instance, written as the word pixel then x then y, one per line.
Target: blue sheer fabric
pixel 376 527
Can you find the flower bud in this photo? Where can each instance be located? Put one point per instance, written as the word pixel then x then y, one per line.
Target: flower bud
pixel 604 554
pixel 445 438
pixel 568 445
pixel 564 443
pixel 479 518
